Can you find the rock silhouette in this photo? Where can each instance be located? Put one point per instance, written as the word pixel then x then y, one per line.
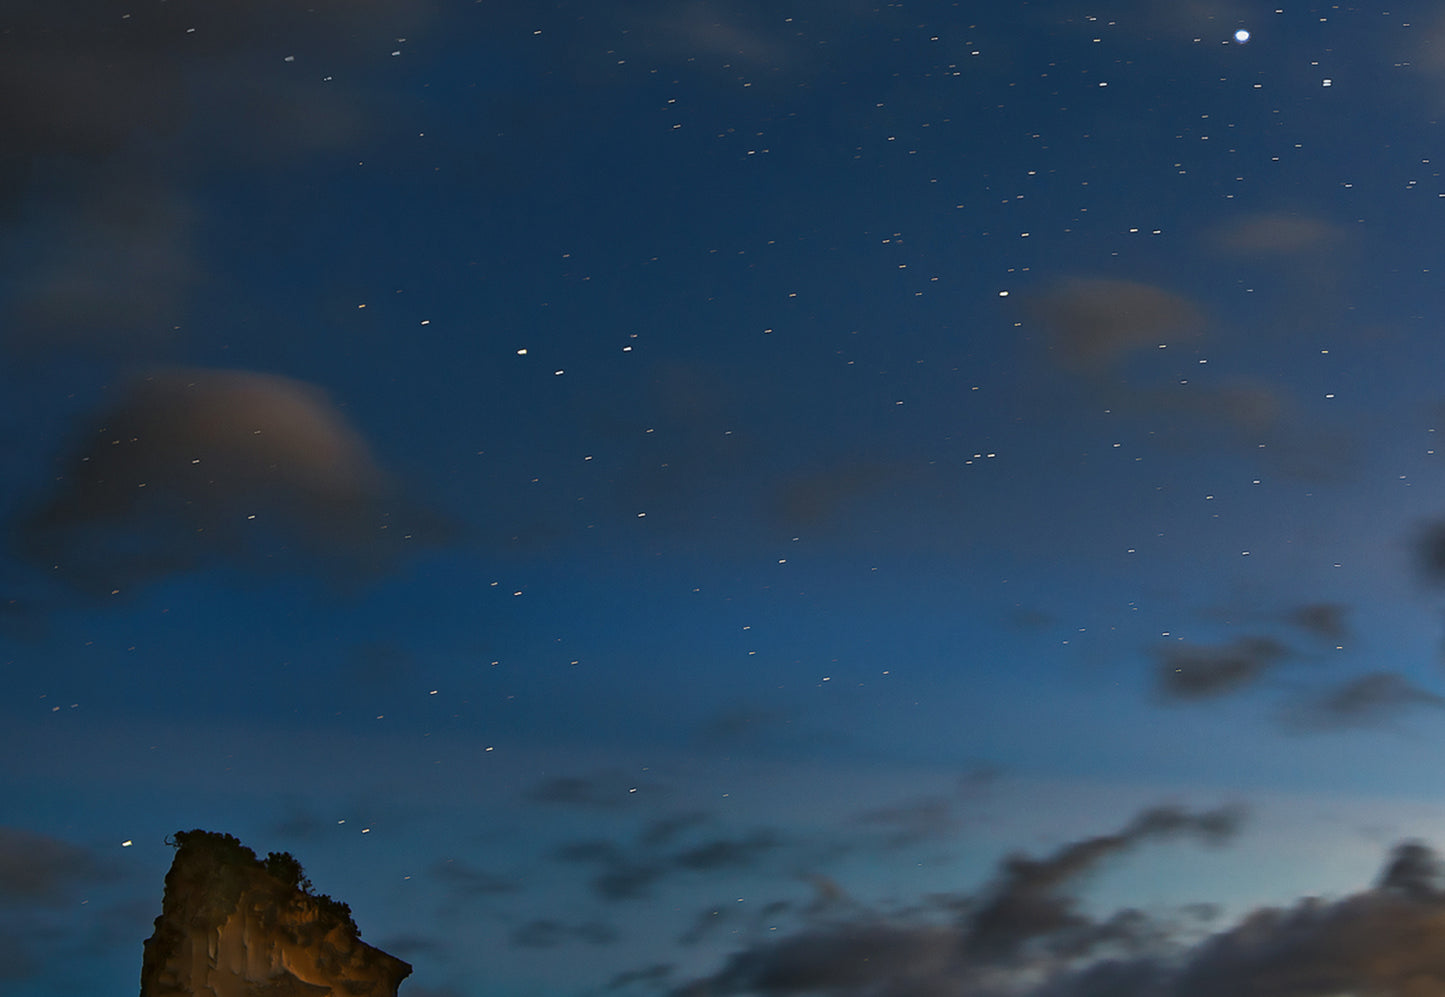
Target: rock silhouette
pixel 232 925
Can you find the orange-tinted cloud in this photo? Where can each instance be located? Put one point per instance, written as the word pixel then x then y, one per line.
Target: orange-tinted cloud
pixel 1276 233
pixel 194 465
pixel 1094 322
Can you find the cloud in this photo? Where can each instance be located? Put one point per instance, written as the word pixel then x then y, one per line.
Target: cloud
pixel 108 270
pixel 1250 416
pixel 665 830
pixel 36 869
pixel 1203 671
pixel 24 619
pixel 1275 233
pixel 18 959
pixel 79 82
pixel 927 818
pixel 705 924
pixel 729 38
pixel 933 817
pixel 650 976
pixel 603 791
pixel 816 499
pixel 1325 620
pixel 829 897
pixel 1430 551
pixel 596 850
pixel 709 920
pixel 728 853
pixel 626 881
pixel 744 725
pixel 1029 901
pixel 571 790
pixel 300 822
pixel 1250 409
pixel 1427 56
pixel 545 933
pixel 1366 701
pixel 409 946
pixel 622 877
pixel 462 880
pixel 630 873
pixel 694 28
pixel 68 88
pixel 371 664
pixel 862 959
pixel 1025 928
pixel 1095 322
pixel 1186 672
pixel 1186 19
pixel 110 119
pixel 1389 940
pixel 1094 325
pixel 192 466
pixel 41 878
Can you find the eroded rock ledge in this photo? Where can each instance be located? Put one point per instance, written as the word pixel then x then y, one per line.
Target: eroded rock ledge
pixel 232 925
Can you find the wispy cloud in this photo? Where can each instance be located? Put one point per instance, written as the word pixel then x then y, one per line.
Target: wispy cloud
pixel 1095 322
pixel 38 869
pixel 1026 927
pixel 1203 671
pixel 1370 700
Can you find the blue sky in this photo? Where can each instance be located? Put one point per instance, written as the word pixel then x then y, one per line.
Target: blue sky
pixel 657 498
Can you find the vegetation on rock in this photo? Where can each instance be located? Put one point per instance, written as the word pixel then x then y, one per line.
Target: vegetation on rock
pixel 234 857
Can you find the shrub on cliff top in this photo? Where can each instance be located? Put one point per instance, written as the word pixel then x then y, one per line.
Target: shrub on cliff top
pixel 285 867
pixel 282 866
pixel 225 846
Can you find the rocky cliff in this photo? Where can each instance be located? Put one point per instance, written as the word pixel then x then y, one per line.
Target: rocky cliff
pixel 232 925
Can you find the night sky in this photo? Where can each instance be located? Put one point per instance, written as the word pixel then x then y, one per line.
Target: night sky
pixel 689 498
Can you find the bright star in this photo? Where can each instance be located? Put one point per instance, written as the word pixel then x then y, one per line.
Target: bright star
pixel 1241 36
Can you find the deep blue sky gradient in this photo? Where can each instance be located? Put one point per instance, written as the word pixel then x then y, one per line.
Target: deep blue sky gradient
pixel 802 449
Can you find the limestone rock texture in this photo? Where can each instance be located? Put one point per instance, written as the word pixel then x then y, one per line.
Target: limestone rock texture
pixel 234 926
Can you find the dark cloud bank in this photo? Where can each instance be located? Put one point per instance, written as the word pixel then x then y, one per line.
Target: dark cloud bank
pixel 1027 937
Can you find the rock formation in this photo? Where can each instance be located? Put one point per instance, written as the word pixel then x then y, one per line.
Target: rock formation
pixel 232 925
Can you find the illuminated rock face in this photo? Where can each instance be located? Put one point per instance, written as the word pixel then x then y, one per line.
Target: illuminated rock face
pixel 229 928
